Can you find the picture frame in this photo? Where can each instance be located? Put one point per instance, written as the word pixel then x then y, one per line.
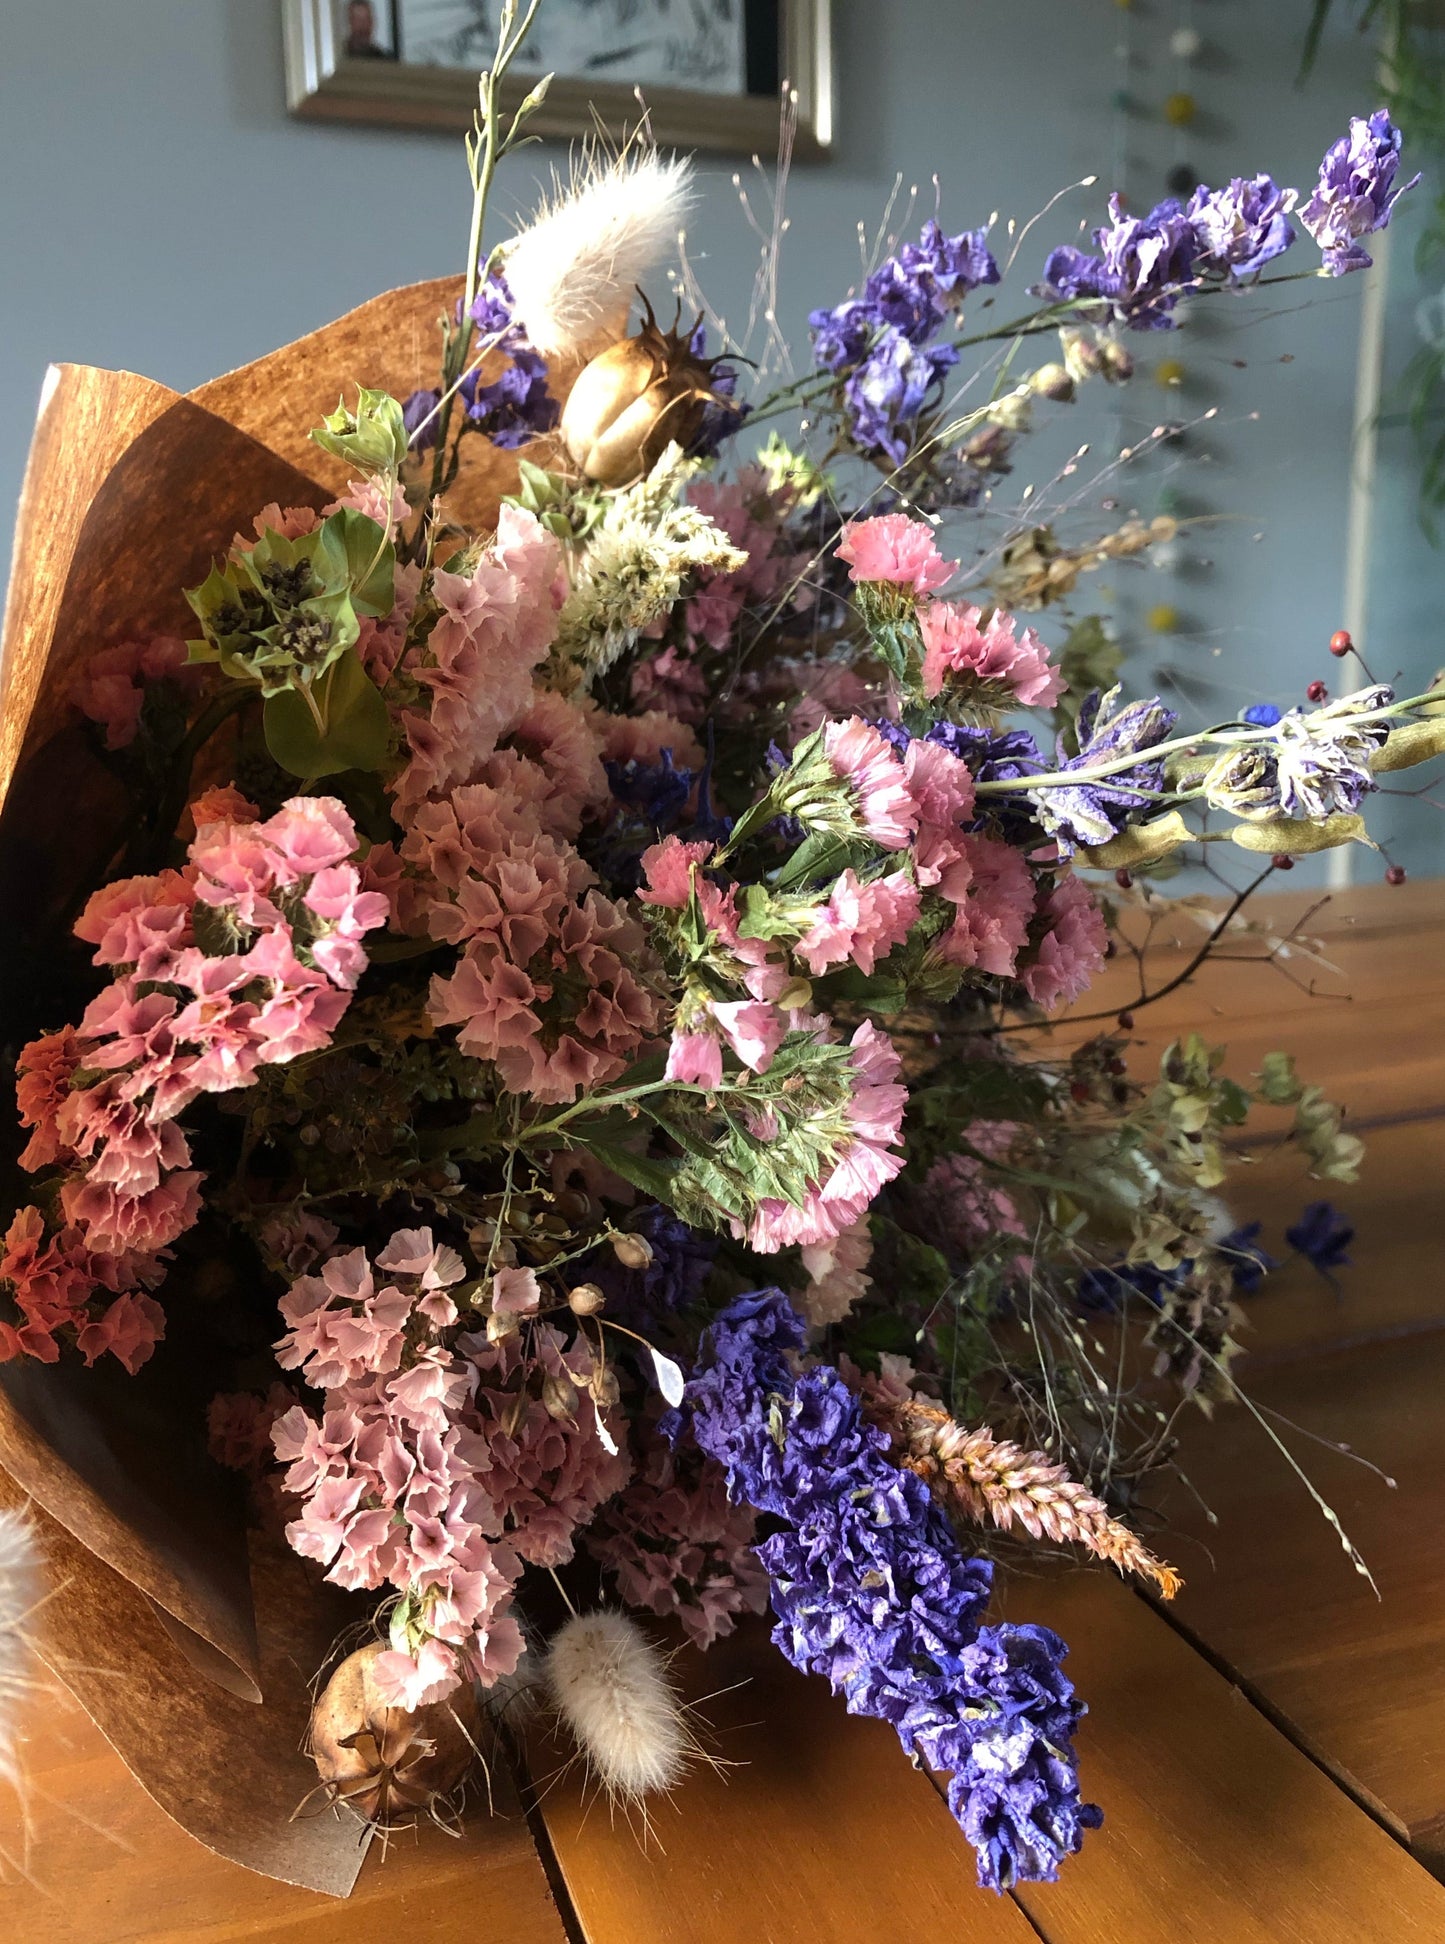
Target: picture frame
pixel 333 75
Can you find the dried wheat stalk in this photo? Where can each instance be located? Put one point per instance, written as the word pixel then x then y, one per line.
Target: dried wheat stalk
pixel 988 1479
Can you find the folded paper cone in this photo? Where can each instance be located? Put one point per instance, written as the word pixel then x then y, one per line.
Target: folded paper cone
pixel 130 492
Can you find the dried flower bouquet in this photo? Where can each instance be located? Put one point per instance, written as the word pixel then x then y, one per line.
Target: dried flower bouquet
pixel 589 972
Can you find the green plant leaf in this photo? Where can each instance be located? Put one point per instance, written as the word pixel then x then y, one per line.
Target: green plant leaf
pixel 358 727
pixel 352 552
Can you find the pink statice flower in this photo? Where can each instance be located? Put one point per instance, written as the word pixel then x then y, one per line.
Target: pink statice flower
pixel 864 1158
pixel 553 984
pixel 998 653
pixel 667 870
pixel 962 1204
pixel 671 682
pixel 942 786
pixel 474 668
pixel 992 890
pixel 864 759
pixel 837 1275
pixel 1071 952
pixel 110 687
pixel 42 1086
pixel 677 1547
pixel 896 549
pixel 222 804
pixel 860 922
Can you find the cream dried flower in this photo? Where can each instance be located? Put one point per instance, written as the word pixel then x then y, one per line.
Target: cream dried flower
pixel 572 271
pixel 645 549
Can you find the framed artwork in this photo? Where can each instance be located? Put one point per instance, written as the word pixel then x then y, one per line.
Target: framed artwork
pixel 710 71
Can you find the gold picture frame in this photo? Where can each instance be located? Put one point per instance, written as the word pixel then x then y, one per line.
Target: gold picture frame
pixel 324 84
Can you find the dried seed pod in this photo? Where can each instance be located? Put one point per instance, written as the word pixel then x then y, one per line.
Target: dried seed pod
pixel 586 1299
pixel 501 1327
pixel 632 1251
pixel 559 1396
pixel 633 400
pixel 384 1763
pixel 604 1387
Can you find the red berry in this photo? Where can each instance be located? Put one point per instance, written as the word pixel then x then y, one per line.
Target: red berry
pixel 1126 1021
pixel 1395 874
pixel 1282 861
pixel 1340 643
pixel 1123 880
pixel 1317 691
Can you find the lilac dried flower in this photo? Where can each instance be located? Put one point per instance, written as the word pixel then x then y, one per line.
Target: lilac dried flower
pixel 1354 196
pixel 1242 227
pixel 1141 267
pixel 1316 766
pixel 1090 813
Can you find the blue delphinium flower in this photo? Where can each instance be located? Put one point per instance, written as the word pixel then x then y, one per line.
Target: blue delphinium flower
pixel 1241 228
pixel 1355 195
pixel 1323 1236
pixel 1142 265
pixel 517 406
pixel 872 1590
pixel 1317 765
pixel 882 343
pixel 1249 1263
pixel 1090 813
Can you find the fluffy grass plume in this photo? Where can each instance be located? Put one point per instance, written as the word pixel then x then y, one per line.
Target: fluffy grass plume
pixel 611 1687
pixel 572 270
pixel 21 1589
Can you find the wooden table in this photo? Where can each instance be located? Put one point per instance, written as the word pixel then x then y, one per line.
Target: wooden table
pixel 1270 1754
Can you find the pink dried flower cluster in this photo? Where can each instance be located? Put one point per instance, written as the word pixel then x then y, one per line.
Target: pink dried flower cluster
pixel 675 1545
pixel 837 1275
pixel 1072 949
pixel 110 687
pixel 57 1283
pixel 751 516
pixel 434 1467
pixel 863 1160
pixel 896 549
pixel 863 758
pixel 962 1203
pixel 244 959
pixel 473 672
pixel 551 981
pixel 997 653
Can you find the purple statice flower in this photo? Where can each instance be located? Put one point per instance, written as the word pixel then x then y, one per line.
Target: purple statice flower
pixel 1141 267
pixel 723 414
pixel 516 406
pixel 1322 1235
pixel 1089 814
pixel 883 343
pixel 1241 228
pixel 419 416
pixel 656 793
pixel 1354 196
pixel 872 1590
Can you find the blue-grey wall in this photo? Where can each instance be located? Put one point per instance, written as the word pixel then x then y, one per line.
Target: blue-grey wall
pixel 158 210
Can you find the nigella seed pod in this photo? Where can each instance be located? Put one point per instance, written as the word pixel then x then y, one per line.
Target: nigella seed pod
pixel 634 400
pixel 632 1251
pixel 604 1387
pixel 559 1396
pixel 586 1299
pixel 499 1328
pixel 386 1764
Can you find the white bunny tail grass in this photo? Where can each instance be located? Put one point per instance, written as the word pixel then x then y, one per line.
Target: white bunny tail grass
pixel 572 270
pixel 21 1590
pixel 611 1686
